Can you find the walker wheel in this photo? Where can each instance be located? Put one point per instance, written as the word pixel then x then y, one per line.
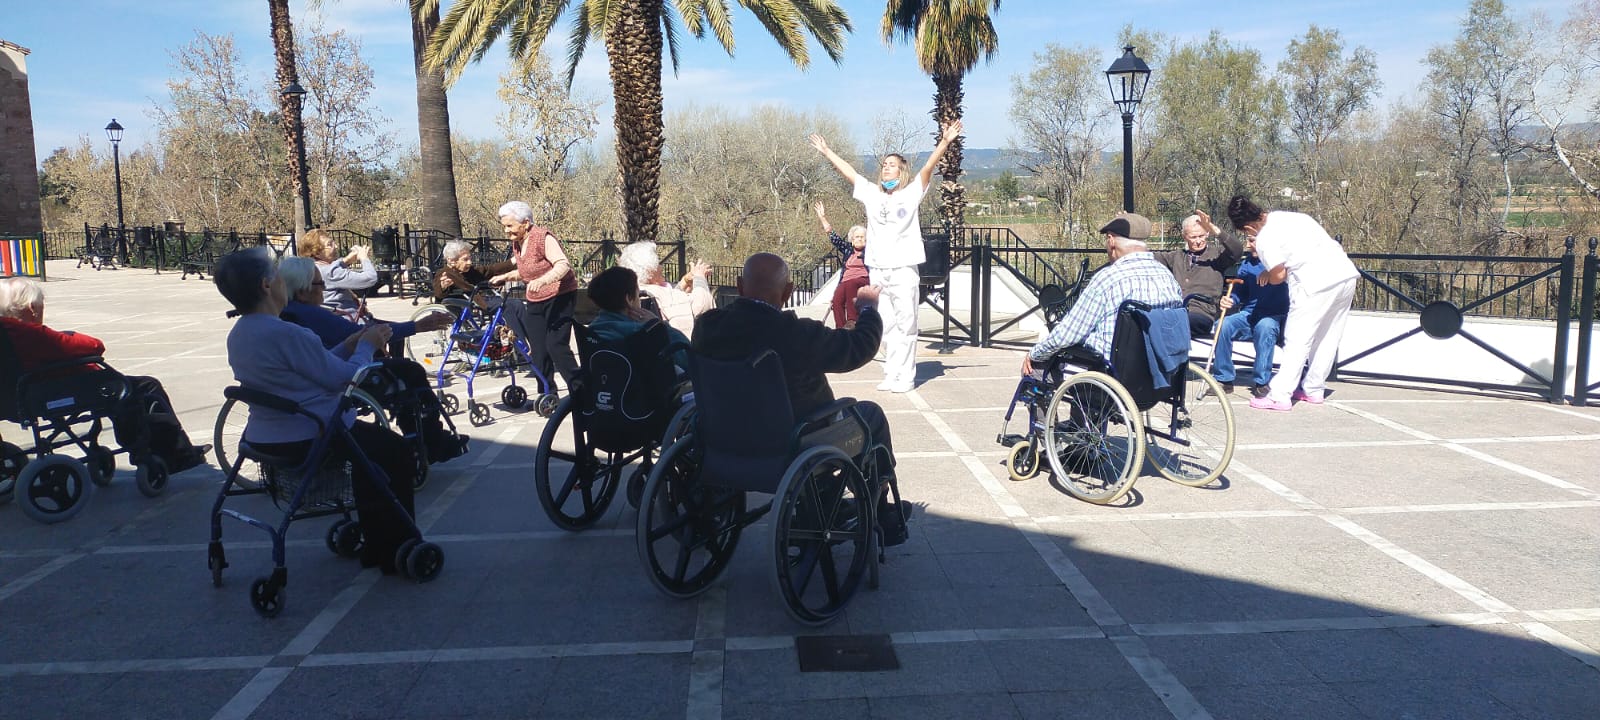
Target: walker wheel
pixel 152 477
pixel 345 538
pixel 479 413
pixel 403 553
pixel 424 561
pixel 514 397
pixel 102 464
pixel 546 404
pixel 450 403
pixel 267 598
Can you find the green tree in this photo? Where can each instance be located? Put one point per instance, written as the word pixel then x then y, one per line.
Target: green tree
pixel 949 37
pixel 1006 187
pixel 1325 87
pixel 1060 108
pixel 1218 121
pixel 633 32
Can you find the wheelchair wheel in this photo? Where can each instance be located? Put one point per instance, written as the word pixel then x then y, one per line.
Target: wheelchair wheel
pixel 822 534
pixel 11 461
pixel 152 477
pixel 54 488
pixel 102 464
pixel 1191 441
pixel 1023 461
pixel 428 348
pixel 577 498
pixel 687 530
pixel 1094 440
pixel 225 437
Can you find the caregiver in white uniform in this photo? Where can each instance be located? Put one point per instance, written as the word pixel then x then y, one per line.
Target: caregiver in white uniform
pixel 894 249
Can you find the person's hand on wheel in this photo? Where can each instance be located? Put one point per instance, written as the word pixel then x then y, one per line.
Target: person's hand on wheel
pixel 1027 364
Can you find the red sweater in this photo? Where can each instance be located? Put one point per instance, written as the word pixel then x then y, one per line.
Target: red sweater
pixel 37 345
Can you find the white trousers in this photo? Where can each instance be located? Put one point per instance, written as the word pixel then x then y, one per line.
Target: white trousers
pixel 898 306
pixel 1312 331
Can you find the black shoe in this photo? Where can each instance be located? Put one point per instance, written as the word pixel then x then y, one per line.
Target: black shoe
pixel 1227 386
pixel 895 521
pixel 1260 391
pixel 449 448
pixel 196 458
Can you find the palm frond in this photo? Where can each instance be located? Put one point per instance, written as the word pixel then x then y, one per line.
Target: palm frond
pixel 828 23
pixel 460 32
pixel 669 31
pixel 782 21
pixel 577 41
pixel 721 22
pixel 692 12
pixel 948 36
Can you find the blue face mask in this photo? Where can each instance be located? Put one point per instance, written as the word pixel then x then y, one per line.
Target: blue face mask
pixel 890 184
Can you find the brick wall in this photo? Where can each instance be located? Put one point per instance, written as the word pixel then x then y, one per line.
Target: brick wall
pixel 19 175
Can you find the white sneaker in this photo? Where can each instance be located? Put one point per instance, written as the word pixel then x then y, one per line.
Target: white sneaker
pixel 884 386
pixel 897 387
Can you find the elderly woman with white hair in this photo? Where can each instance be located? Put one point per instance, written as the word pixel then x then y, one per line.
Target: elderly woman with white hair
pixel 460 276
pixel 145 423
pixel 678 308
pixel 305 285
pixel 544 316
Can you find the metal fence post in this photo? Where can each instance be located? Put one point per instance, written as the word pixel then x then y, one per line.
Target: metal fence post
pixel 1591 268
pixel 978 259
pixel 1558 372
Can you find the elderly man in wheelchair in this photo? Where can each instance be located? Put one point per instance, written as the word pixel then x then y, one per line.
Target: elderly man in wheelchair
pixel 766 421
pixel 1111 381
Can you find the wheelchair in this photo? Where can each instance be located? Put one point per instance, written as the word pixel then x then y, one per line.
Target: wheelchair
pixel 827 476
pixel 1094 421
pixel 381 399
pixel 479 340
pixel 626 404
pixel 64 404
pixel 318 484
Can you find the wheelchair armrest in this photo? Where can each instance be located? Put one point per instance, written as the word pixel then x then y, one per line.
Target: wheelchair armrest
pixel 1136 305
pixel 67 364
pixel 1202 297
pixel 822 414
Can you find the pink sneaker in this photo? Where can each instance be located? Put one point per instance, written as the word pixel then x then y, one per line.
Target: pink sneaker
pixel 1267 403
pixel 1301 396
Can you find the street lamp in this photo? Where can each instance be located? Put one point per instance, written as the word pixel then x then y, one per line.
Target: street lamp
pixel 114 134
pixel 293 95
pixel 1128 77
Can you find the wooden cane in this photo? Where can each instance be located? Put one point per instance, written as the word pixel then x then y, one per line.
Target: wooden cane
pixel 1222 313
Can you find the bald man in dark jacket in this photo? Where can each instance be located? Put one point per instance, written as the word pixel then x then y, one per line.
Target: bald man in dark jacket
pixel 809 350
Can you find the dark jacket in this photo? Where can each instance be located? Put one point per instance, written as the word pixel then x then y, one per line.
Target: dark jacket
pixel 807 348
pixel 1203 275
pixel 463 283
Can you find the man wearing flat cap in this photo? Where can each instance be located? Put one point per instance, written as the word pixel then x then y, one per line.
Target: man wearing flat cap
pixel 1134 274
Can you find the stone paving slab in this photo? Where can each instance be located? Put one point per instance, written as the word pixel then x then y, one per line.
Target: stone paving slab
pixel 1397 552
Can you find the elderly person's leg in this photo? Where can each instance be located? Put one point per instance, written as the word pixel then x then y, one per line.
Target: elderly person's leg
pixel 147 426
pixel 1267 331
pixel 558 336
pixel 1234 327
pixel 383 527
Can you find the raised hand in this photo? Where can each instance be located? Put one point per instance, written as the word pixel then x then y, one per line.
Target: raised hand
pixel 817 142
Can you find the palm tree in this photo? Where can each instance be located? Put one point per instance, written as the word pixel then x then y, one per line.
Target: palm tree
pixel 440 210
pixel 288 104
pixel 949 37
pixel 633 31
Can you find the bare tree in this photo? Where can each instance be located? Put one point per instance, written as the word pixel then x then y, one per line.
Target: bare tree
pixel 1061 111
pixel 1325 87
pixel 545 126
pixel 344 133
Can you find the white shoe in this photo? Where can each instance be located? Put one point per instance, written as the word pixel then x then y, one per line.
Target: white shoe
pixel 897 387
pixel 884 386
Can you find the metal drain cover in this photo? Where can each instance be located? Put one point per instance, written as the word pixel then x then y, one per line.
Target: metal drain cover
pixel 846 653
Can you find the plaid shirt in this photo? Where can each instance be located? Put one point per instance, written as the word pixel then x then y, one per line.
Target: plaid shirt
pixel 1138 276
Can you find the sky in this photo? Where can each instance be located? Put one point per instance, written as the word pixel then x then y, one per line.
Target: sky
pixel 93 60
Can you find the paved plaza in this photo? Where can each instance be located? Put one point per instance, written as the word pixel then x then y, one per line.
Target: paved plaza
pixel 1394 553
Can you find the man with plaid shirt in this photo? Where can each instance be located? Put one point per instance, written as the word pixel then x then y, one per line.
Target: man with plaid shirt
pixel 1134 274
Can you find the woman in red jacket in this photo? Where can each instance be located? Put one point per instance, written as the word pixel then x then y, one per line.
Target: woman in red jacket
pixel 144 423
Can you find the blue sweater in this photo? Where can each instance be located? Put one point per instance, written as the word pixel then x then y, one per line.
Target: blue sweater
pixel 331 327
pixel 1258 300
pixel 287 360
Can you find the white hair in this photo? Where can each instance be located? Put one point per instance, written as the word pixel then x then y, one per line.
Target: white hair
pixel 641 258
pixel 297 273
pixel 516 210
pixel 19 295
pixel 1189 222
pixel 455 248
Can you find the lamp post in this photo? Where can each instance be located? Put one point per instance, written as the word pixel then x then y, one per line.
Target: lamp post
pixel 293 97
pixel 1128 77
pixel 114 134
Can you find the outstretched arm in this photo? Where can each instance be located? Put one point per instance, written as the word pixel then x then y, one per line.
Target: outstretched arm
pixel 822 214
pixel 951 132
pixel 839 164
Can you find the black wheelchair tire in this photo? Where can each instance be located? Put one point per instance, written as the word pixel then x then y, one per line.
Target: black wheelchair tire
pixel 62 481
pixel 675 510
pixel 598 489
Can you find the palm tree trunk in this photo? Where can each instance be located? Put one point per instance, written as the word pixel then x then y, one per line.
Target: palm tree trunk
pixel 439 208
pixel 289 106
pixel 946 110
pixel 634 46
